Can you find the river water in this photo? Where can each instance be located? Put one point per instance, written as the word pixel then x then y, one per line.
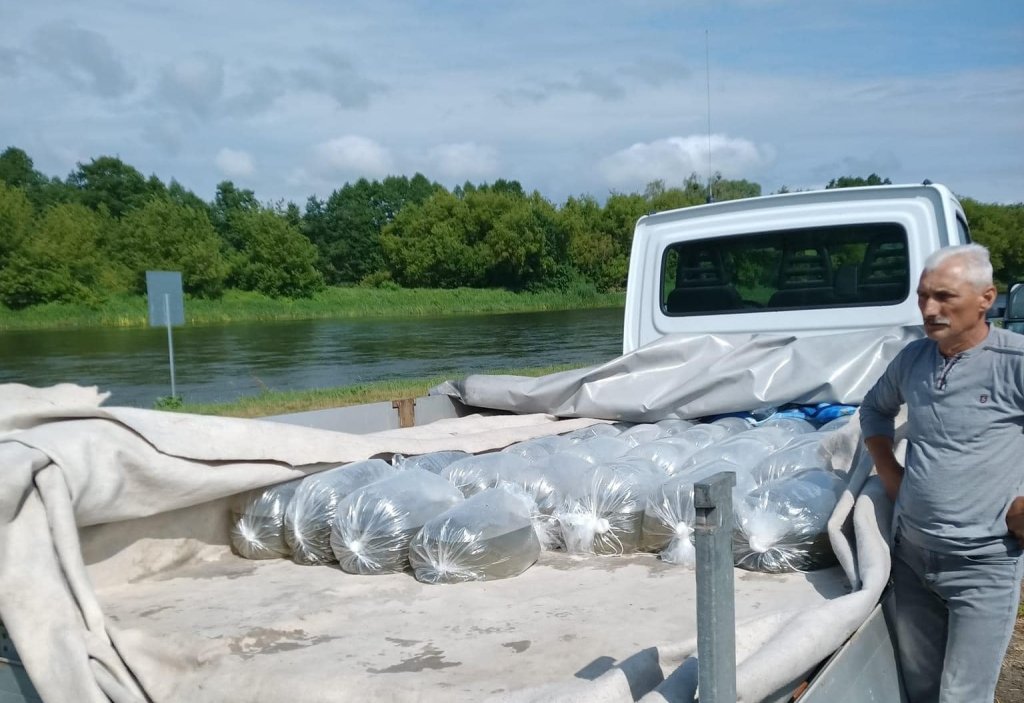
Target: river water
pixel 216 363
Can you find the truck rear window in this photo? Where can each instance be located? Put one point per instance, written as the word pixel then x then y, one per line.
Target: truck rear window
pixel 847 265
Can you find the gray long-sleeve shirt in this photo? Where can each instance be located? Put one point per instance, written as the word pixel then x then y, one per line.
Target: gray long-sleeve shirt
pixel 965 432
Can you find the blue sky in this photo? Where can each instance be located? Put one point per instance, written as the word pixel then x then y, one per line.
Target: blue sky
pixel 294 99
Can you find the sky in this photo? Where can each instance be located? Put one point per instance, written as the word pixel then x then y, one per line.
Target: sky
pixel 568 97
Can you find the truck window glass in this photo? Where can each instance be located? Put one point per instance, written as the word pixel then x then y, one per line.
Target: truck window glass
pixel 963 230
pixel 819 267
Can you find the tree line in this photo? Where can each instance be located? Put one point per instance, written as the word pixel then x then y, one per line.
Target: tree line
pixel 97 231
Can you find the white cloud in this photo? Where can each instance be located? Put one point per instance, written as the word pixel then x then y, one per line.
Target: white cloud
pixel 151 83
pixel 195 82
pixel 352 156
pixel 463 161
pixel 675 158
pixel 235 163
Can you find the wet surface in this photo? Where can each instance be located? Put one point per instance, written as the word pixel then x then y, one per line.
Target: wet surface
pixel 517 647
pixel 429 657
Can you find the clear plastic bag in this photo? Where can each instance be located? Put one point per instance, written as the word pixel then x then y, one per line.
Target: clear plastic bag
pixel 311 511
pixel 530 479
pixel 836 424
pixel 667 526
pixel 434 462
pixel 257 521
pixel 805 452
pixel 539 449
pixel 598 450
pixel 669 513
pixel 701 436
pixel 746 449
pixel 488 536
pixel 794 426
pixel 602 511
pixel 598 430
pixel 476 473
pixel 668 456
pixel 374 524
pixel 641 434
pixel 732 425
pixel 776 436
pixel 671 427
pixel 783 525
pixel 562 473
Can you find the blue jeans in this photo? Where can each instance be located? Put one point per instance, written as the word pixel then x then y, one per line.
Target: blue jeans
pixel 953 617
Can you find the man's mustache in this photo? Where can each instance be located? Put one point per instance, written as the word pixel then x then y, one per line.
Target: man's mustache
pixel 937 320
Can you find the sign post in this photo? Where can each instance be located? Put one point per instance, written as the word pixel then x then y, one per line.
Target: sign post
pixel 166 308
pixel 716 594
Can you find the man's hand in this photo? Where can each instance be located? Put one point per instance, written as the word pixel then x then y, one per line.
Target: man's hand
pixel 1015 519
pixel 888 468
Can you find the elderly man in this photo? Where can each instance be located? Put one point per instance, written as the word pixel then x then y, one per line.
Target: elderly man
pixel 957 526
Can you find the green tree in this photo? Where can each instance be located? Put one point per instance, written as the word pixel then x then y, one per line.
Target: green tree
pixel 109 183
pixel 181 195
pixel 659 197
pixel 1001 229
pixel 275 258
pixel 63 261
pixel 729 189
pixel 487 237
pixel 346 229
pixel 853 181
pixel 164 235
pixel 524 242
pixel 619 216
pixel 592 251
pixel 17 169
pixel 229 202
pixel 435 245
pixel 16 220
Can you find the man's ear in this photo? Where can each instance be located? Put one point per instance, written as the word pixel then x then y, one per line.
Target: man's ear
pixel 988 297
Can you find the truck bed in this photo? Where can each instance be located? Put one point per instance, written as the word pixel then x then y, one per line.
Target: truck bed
pixel 318 634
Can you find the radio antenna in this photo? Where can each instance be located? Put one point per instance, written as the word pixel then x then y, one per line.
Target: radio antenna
pixel 707 76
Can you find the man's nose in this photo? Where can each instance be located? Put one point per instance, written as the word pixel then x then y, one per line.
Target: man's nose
pixel 929 307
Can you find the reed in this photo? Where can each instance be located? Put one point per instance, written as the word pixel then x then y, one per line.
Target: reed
pixel 281 402
pixel 339 302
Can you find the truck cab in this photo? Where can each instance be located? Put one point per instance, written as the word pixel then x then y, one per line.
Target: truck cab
pixel 798 263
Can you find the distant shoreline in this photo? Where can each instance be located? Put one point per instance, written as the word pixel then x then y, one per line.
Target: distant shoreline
pixel 283 402
pixel 331 303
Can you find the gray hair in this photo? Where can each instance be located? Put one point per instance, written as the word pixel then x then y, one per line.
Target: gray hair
pixel 974 259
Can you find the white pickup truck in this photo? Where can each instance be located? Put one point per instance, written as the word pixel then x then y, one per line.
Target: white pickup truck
pixel 803 263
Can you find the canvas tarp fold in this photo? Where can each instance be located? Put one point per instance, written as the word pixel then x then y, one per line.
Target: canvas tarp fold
pixel 693 376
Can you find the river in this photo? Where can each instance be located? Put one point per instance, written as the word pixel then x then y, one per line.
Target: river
pixel 216 363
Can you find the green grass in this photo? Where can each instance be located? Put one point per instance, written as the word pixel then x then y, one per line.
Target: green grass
pixel 280 402
pixel 239 306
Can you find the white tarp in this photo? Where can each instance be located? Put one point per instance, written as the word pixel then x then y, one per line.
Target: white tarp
pixel 696 376
pixel 116 581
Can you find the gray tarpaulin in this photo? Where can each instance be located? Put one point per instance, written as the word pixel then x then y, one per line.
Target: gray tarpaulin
pixel 117 582
pixel 696 376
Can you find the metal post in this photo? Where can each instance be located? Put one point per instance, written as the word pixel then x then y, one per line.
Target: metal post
pixel 716 598
pixel 170 340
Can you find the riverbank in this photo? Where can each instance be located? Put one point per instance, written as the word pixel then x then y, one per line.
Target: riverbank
pixel 331 303
pixel 281 402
